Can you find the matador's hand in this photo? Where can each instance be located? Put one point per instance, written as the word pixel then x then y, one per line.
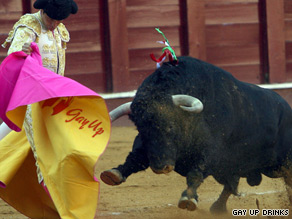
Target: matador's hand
pixel 26 48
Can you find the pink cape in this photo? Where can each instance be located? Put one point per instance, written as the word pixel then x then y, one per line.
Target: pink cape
pixel 23 81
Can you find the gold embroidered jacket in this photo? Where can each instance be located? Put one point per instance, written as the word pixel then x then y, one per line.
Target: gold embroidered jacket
pixel 52 45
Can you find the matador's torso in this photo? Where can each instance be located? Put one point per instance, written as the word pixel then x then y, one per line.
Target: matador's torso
pixel 52 44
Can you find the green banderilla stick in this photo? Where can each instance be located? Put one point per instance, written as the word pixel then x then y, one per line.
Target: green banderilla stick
pixel 167 47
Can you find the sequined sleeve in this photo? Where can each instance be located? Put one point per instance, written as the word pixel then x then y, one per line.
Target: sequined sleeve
pixel 22 35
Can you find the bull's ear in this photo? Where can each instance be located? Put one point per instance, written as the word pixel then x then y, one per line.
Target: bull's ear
pixel 188 103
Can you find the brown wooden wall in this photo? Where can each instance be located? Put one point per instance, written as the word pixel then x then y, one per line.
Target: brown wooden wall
pixel 232 32
pixel 10 11
pixel 111 39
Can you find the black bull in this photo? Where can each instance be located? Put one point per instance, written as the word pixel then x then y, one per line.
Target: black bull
pixel 200 121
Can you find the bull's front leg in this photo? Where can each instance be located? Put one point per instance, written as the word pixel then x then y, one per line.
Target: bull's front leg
pixel 189 197
pixel 136 161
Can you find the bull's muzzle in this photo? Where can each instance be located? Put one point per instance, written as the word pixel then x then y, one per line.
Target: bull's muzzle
pixel 166 169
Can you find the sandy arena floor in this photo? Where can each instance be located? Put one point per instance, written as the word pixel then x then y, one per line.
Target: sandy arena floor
pixel 150 196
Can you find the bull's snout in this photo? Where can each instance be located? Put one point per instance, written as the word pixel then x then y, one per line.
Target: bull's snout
pixel 166 169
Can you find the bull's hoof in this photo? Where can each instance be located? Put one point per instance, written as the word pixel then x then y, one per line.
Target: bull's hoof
pixel 189 204
pixel 112 177
pixel 218 208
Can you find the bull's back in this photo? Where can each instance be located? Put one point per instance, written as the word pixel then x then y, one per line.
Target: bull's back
pixel 253 124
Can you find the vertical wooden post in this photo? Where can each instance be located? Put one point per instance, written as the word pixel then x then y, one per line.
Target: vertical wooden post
pixel 195 18
pixel 276 40
pixel 118 44
pixel 26 6
pixel 105 44
pixel 183 32
pixel 264 54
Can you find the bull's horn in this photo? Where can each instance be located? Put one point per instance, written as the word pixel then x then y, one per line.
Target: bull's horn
pixel 188 103
pixel 121 110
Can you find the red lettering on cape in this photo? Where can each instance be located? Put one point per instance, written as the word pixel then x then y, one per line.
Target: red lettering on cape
pixel 91 125
pixel 75 113
pixel 84 123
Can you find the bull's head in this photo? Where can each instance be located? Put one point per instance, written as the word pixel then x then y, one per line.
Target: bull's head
pixel 160 128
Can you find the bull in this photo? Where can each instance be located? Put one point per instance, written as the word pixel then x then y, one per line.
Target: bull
pixel 198 120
